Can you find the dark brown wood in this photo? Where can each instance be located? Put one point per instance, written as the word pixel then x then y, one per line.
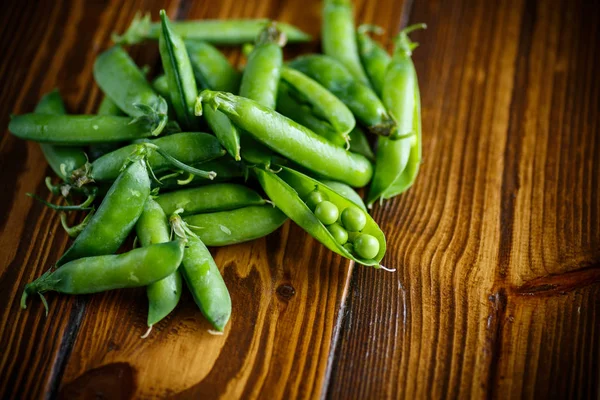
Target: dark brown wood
pixel 497 246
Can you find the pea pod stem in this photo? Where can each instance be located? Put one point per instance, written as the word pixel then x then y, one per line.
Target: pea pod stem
pixel 55 207
pixel 75 230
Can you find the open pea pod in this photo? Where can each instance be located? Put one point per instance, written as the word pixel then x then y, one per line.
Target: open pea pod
pixel 287 189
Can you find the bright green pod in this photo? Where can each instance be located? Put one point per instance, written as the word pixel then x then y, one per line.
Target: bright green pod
pixel 210 198
pixel 63 160
pixel 73 130
pixel 187 147
pixel 120 79
pixel 115 218
pixel 179 73
pixel 94 274
pixel 374 58
pixel 290 139
pixel 339 37
pixel 288 188
pixel 345 191
pixel 163 296
pixel 231 32
pixel 211 68
pixel 235 226
pixel 360 98
pixel 360 144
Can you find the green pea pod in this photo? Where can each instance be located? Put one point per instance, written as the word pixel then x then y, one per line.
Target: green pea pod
pixel 359 98
pixel 187 147
pixel 107 107
pixel 94 274
pixel 203 277
pixel 339 38
pixel 360 144
pixel 163 295
pixel 120 79
pixel 116 216
pixel 302 113
pixel 401 97
pixel 161 85
pixel 225 131
pixel 235 226
pixel 179 73
pixel 226 169
pixel 287 189
pixel 290 139
pixel 211 198
pixel 345 191
pixel 211 68
pixel 62 160
pixel 374 58
pixel 73 130
pixel 232 32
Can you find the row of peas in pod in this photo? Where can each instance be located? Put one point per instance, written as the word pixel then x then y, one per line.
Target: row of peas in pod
pixel 206 154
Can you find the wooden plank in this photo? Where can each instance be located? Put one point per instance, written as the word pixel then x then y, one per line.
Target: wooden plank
pixel 503 219
pixel 286 295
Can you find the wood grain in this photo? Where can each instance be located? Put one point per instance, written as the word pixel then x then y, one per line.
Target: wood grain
pixel 497 245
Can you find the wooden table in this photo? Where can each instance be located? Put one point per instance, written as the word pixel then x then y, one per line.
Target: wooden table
pixel 497 245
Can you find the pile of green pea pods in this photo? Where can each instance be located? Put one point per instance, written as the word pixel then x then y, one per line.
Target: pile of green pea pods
pixel 207 155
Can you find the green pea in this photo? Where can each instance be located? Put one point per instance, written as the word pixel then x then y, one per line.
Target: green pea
pixel 314 198
pixel 349 247
pixel 353 219
pixel 366 246
pixel 339 234
pixel 327 212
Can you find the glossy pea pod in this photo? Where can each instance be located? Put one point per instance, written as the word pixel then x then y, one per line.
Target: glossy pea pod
pixel 120 79
pixel 163 296
pixel 211 68
pixel 116 216
pixel 360 144
pixel 211 198
pixel 224 228
pixel 94 274
pixel 203 278
pixel 107 107
pixel 179 73
pixel 345 191
pixel 287 189
pixel 401 95
pixel 374 58
pixel 213 71
pixel 359 98
pixel 186 147
pixel 290 139
pixel 339 37
pixel 310 104
pixel 63 160
pixel 232 32
pixel 73 130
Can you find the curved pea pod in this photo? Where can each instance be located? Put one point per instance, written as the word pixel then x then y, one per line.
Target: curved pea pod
pixel 187 147
pixel 290 139
pixel 235 226
pixel 225 131
pixel 400 94
pixel 138 267
pixel 211 68
pixel 339 37
pixel 179 73
pixel 73 130
pixel 120 79
pixel 62 160
pixel 359 98
pixel 211 198
pixel 287 189
pixel 107 107
pixel 232 32
pixel 374 58
pixel 163 295
pixel 345 191
pixel 360 144
pixel 226 169
pixel 203 277
pixel 116 216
